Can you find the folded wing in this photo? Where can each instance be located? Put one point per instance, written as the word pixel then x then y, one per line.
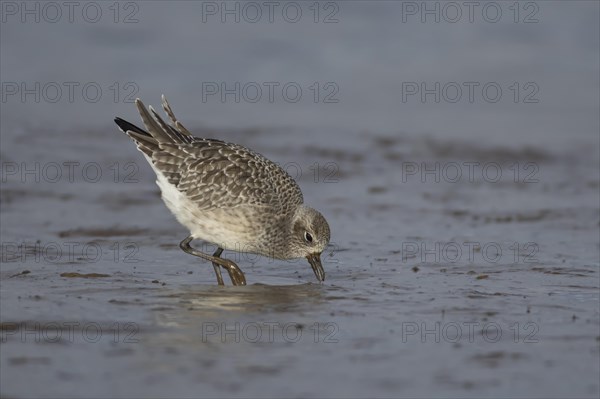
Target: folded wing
pixel 212 173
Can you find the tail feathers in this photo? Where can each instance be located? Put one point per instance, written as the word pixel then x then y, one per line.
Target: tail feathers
pixel 144 141
pixel 176 123
pixel 127 126
pixel 157 128
pixel 159 133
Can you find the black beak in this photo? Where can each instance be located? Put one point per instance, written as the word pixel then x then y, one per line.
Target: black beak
pixel 315 263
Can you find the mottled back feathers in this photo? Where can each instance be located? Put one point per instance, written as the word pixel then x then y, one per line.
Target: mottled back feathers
pixel 212 173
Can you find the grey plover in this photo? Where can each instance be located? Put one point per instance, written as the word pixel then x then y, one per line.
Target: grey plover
pixel 228 195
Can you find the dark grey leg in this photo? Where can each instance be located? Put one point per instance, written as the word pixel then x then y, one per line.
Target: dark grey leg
pixel 235 274
pixel 216 266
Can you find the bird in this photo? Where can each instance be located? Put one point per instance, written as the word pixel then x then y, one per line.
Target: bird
pixel 228 195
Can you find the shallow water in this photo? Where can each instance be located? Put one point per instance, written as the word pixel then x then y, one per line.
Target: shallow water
pixel 391 319
pixel 437 286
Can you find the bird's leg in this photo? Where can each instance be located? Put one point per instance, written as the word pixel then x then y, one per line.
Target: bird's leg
pixel 236 275
pixel 216 266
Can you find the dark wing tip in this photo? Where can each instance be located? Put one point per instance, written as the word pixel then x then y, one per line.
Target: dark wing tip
pixel 127 126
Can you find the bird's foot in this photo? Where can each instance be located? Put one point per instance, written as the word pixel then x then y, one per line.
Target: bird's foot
pixel 235 273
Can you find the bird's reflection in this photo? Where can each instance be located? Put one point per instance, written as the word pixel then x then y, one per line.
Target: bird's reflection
pixel 193 304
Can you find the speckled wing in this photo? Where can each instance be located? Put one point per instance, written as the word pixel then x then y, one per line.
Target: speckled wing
pixel 212 173
pixel 215 174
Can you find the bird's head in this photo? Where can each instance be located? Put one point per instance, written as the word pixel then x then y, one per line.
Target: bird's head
pixel 309 237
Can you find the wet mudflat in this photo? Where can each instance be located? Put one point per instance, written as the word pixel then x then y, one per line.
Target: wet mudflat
pixel 434 288
pixel 465 251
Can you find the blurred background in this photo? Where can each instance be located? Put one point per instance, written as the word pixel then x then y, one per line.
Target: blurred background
pixel 453 147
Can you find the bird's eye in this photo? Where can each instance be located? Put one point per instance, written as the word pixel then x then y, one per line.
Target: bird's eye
pixel 307 236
